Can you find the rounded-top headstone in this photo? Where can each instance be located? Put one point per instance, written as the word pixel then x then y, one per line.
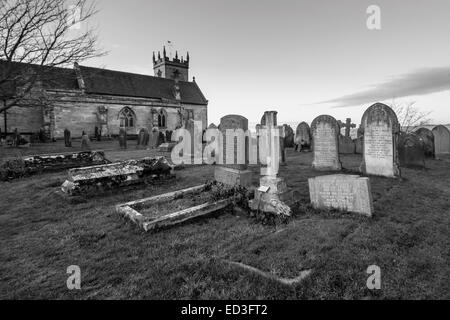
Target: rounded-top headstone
pixel 427 137
pixel 381 129
pixel 325 141
pixel 303 135
pixel 441 139
pixel 289 136
pixel 143 137
pixel 411 151
pixel 270 119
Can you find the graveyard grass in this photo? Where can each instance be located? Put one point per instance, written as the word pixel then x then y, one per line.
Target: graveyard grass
pixel 409 238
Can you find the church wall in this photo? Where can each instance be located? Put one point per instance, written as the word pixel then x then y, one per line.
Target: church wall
pixel 77 118
pixel 200 114
pixel 81 116
pixel 27 119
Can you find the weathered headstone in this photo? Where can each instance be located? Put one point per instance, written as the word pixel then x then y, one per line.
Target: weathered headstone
pixel 273 195
pixel 67 138
pixel 359 144
pixel 349 193
pixel 169 136
pixel 143 138
pixel 359 141
pixel 427 137
pixel 154 138
pixel 381 130
pixel 289 136
pixel 441 140
pixel 348 125
pixel 346 145
pixel 16 137
pixel 123 138
pixel 161 138
pixel 196 147
pixel 98 134
pixel 85 142
pixel 233 163
pixel 325 142
pixel 303 137
pixel 411 151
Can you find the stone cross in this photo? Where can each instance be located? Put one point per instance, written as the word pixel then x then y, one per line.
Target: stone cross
pixel 273 193
pixel 271 148
pixel 348 125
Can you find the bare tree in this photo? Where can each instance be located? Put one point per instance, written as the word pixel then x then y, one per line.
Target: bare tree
pixel 409 116
pixel 45 33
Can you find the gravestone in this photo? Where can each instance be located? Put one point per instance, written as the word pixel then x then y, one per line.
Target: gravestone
pixel 169 136
pixel 282 146
pixel 123 138
pixel 233 162
pixel 85 142
pixel 67 138
pixel 381 130
pixel 349 193
pixel 441 140
pixel 348 125
pixel 196 146
pixel 303 137
pixel 325 143
pixel 427 137
pixel 289 136
pixel 154 138
pixel 346 143
pixel 16 137
pixel 359 143
pixel 161 139
pixel 143 138
pixel 273 195
pixel 411 151
pixel 98 134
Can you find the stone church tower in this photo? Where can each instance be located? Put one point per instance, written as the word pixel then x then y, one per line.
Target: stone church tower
pixel 175 69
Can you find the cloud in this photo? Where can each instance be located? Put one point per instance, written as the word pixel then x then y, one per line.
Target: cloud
pixel 420 82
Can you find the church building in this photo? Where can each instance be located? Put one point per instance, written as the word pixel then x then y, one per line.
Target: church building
pixel 83 98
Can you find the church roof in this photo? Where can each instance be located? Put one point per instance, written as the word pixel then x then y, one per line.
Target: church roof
pixel 16 74
pixel 99 81
pixel 103 81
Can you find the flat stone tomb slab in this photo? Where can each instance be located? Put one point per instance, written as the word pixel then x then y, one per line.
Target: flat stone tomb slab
pixel 115 175
pixel 172 208
pixel 350 193
pixel 35 164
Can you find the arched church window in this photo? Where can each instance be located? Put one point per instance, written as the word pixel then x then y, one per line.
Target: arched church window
pixel 127 118
pixel 162 118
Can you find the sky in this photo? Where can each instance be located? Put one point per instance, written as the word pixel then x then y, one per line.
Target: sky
pixel 302 58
